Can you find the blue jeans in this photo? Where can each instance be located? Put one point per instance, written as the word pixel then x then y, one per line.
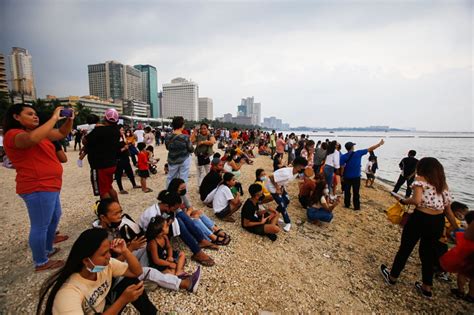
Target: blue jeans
pixel 179 170
pixel 205 225
pixel 319 214
pixel 328 175
pixel 44 210
pixel 282 201
pixel 190 235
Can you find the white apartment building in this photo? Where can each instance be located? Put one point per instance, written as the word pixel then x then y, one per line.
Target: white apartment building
pixel 21 67
pixel 205 108
pixel 180 98
pixel 94 103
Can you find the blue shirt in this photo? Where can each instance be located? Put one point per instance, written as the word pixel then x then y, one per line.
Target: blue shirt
pixel 352 165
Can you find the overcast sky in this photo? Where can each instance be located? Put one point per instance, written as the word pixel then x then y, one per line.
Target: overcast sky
pixel 314 63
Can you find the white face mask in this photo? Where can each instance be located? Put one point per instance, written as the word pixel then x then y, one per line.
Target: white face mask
pixel 263 178
pixel 326 191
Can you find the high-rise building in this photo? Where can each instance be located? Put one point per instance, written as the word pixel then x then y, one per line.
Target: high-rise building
pixel 113 80
pixel 150 88
pixel 248 108
pixel 205 108
pixel 23 82
pixel 3 75
pixel 180 98
pixel 136 108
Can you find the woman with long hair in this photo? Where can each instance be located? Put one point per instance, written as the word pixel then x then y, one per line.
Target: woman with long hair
pixel 432 199
pixel 38 174
pixel 84 284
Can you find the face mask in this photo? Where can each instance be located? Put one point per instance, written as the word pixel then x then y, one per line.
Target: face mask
pixel 263 178
pixel 326 191
pixel 97 268
pixel 114 225
pixel 182 192
pixel 260 199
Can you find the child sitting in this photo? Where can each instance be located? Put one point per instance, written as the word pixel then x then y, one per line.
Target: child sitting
pixel 320 209
pixel 143 166
pixel 161 255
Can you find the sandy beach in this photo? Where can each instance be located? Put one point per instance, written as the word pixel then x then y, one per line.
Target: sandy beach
pixel 329 268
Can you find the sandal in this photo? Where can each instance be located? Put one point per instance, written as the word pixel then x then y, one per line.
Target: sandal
pixel 207 262
pixel 148 190
pixel 51 264
pixel 218 233
pixel 220 240
pixel 60 238
pixel 54 252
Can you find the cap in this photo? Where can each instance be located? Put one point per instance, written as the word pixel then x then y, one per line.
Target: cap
pixel 349 145
pixel 111 115
pixel 215 161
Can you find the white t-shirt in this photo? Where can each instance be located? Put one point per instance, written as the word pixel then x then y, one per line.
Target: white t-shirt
pixel 282 177
pixel 153 211
pixel 71 297
pixel 221 198
pixel 139 134
pixel 368 167
pixel 333 159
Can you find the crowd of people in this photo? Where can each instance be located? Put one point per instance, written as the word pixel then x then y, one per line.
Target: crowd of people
pixel 108 263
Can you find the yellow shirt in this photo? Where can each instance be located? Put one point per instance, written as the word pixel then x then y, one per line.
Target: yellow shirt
pixel 264 189
pixel 71 298
pixel 447 226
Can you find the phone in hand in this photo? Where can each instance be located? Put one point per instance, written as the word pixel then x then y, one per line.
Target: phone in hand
pixel 67 112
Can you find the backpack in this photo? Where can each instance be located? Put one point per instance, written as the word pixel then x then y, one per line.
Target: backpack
pixel 129 229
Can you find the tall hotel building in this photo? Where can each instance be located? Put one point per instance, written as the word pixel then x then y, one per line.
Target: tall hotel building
pixel 23 82
pixel 150 88
pixel 113 80
pixel 205 108
pixel 3 75
pixel 180 98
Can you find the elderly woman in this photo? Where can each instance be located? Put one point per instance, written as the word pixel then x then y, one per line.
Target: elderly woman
pixel 39 174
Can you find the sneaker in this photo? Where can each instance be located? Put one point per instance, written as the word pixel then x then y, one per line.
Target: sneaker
pixel 386 275
pixel 443 276
pixel 79 163
pixel 287 227
pixel 195 278
pixel 273 237
pixel 423 292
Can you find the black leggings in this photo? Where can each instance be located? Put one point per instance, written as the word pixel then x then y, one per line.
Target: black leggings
pixel 142 304
pixel 124 165
pixel 427 229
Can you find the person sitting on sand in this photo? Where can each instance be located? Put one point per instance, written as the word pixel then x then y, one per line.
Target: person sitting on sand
pixel 120 225
pixel 254 220
pixel 278 161
pixel 261 178
pixel 276 186
pixel 84 283
pixel 225 203
pixel 233 163
pixel 200 219
pixel 319 208
pixel 263 149
pixel 306 188
pixel 212 179
pixel 168 206
pixel 161 255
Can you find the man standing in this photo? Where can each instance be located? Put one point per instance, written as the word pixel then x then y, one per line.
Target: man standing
pixel 204 142
pixel 351 162
pixel 408 167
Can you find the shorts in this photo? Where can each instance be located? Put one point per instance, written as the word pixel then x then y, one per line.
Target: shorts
pixel 259 229
pixel 144 173
pixel 225 212
pixel 102 179
pixel 370 176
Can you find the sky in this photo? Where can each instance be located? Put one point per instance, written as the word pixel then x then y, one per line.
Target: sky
pixel 405 64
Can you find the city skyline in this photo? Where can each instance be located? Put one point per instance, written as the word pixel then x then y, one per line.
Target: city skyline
pixel 407 65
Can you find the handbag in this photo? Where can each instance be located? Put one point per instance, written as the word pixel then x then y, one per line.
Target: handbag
pixel 395 213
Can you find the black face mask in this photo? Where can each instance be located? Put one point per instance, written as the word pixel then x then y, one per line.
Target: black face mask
pixel 114 225
pixel 182 192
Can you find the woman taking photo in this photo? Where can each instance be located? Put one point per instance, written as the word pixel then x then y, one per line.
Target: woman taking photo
pixel 432 200
pixel 83 285
pixel 38 175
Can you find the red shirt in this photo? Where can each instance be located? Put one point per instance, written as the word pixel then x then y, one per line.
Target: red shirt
pixel 142 161
pixel 37 167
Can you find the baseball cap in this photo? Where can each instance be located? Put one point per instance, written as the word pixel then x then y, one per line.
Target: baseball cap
pixel 349 145
pixel 111 115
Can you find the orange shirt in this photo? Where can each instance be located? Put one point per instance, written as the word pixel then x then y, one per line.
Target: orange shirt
pixel 37 167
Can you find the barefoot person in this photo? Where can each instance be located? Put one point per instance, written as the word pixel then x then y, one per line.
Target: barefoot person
pixel 39 175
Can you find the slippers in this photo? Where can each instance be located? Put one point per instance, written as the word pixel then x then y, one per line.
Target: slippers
pixel 54 252
pixel 51 264
pixel 60 238
pixel 148 190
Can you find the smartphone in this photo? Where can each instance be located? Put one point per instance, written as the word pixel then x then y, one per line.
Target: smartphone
pixel 67 112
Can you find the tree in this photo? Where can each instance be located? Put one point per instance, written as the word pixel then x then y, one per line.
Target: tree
pixel 81 113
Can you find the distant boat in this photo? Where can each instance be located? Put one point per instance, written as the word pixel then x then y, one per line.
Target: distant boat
pixel 331 131
pixel 315 131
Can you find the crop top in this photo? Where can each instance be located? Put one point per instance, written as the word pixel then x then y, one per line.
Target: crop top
pixel 430 198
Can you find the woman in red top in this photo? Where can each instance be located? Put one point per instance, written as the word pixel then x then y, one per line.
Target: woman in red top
pixel 39 175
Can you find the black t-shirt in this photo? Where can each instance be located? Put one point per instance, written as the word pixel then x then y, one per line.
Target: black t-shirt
pixel 209 182
pixel 249 212
pixel 103 146
pixel 408 165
